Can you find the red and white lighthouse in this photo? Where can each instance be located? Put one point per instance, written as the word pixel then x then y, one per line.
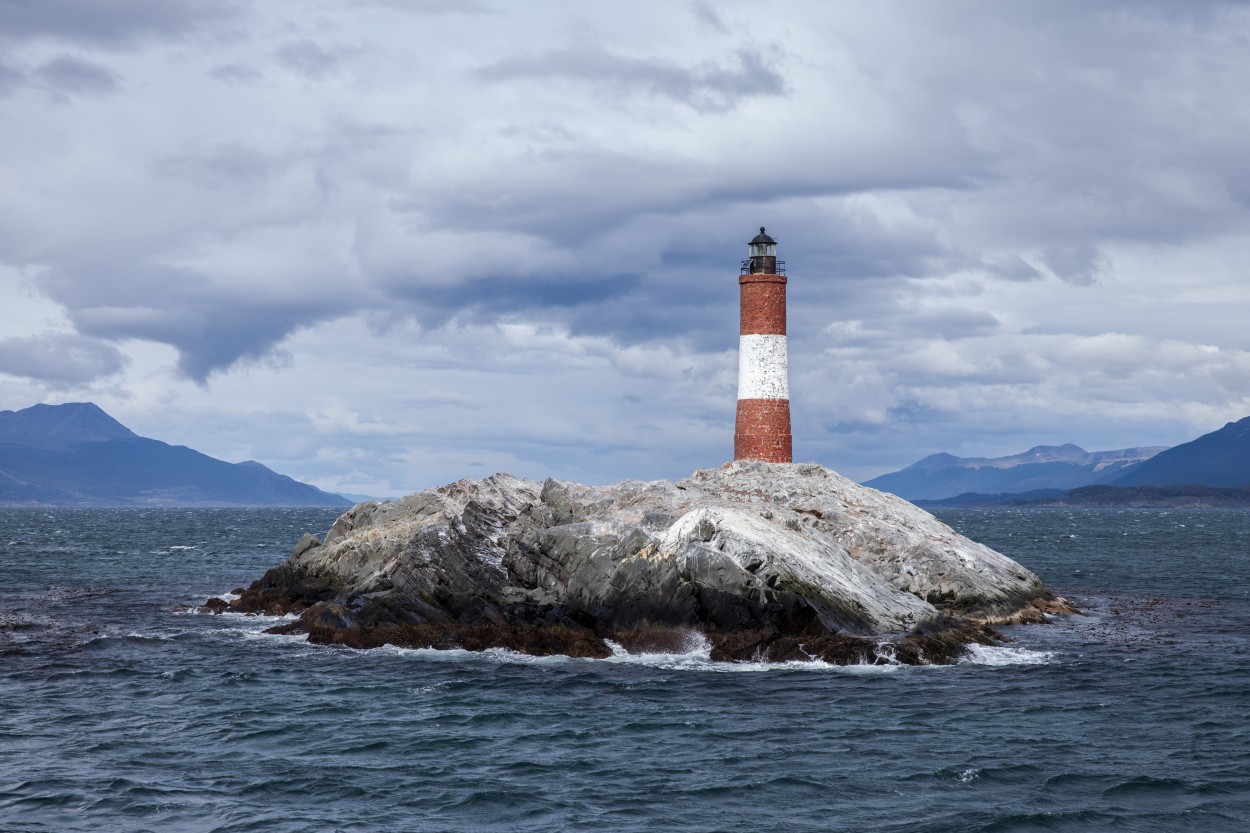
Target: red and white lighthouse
pixel 762 431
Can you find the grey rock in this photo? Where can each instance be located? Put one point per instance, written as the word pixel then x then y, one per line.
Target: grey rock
pixel 746 548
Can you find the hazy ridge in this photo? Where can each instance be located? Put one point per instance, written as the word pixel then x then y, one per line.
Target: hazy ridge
pixel 77 455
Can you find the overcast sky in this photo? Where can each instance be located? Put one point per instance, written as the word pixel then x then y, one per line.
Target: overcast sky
pixel 383 245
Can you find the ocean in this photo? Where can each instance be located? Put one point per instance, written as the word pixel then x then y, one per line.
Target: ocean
pixel 121 709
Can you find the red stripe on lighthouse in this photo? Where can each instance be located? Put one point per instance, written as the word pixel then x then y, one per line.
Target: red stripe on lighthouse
pixel 763 431
pixel 763 305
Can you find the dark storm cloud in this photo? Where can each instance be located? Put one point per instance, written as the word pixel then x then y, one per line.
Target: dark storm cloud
pixel 11 77
pixel 306 58
pixel 491 296
pixel 704 12
pixel 432 6
pixel 548 197
pixel 211 327
pixel 970 197
pixel 235 73
pixel 109 23
pixel 74 75
pixel 928 151
pixel 60 358
pixel 890 326
pixel 210 336
pixel 950 324
pixel 220 166
pixel 655 315
pixel 63 76
pixel 1080 265
pixel 571 196
pixel 1012 268
pixel 707 87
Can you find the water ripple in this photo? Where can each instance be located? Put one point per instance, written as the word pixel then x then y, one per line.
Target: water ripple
pixel 122 712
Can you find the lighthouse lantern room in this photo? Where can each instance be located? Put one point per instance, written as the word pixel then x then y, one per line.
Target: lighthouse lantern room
pixel 763 256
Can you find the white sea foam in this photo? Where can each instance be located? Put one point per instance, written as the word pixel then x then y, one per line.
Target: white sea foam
pixel 257 619
pixel 998 655
pixel 696 655
pixel 697 658
pixel 501 656
pixel 191 605
pixel 247 626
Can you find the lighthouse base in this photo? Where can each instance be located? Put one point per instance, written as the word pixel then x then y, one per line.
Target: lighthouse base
pixel 763 431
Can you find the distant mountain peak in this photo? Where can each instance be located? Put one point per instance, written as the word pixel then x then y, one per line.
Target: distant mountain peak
pixel 1066 448
pixel 77 455
pixel 60 426
pixel 1062 467
pixel 1219 459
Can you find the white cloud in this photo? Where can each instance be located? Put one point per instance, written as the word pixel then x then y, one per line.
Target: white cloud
pixel 289 235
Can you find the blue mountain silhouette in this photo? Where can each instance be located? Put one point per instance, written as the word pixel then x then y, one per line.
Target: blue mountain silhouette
pixel 77 455
pixel 1221 458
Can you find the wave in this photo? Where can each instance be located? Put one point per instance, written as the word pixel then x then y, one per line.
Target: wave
pixel 695 654
pixel 999 655
pixel 695 658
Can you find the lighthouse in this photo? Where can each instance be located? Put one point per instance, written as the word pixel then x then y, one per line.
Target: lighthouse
pixel 762 431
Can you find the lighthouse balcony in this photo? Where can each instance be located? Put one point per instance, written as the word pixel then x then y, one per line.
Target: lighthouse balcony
pixel 763 266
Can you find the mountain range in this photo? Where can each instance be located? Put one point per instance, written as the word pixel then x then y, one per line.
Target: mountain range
pixel 1219 459
pixel 77 455
pixel 1041 467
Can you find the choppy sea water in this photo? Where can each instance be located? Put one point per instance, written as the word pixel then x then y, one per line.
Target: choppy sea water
pixel 120 710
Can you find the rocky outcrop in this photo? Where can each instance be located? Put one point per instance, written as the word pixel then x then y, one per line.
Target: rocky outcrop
pixel 778 561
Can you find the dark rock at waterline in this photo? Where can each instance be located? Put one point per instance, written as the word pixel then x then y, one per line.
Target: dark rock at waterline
pixel 215 605
pixel 570 639
pixel 773 561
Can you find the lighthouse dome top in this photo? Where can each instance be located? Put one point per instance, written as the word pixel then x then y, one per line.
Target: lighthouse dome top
pixel 763 257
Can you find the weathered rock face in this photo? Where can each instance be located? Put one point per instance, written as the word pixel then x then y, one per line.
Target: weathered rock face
pixel 776 560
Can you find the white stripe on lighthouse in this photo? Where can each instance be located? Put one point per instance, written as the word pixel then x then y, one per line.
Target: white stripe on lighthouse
pixel 763 368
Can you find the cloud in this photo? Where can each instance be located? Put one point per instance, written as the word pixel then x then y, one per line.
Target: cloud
pixel 708 15
pixel 11 77
pixel 1012 268
pixel 544 210
pixel 706 87
pixel 1131 390
pixel 1080 265
pixel 62 77
pixel 221 166
pixel 305 57
pixel 208 338
pixel 60 358
pixel 235 301
pixel 71 74
pixel 235 73
pixel 432 6
pixel 109 23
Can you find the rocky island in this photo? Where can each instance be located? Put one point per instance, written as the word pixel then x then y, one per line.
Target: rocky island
pixel 762 560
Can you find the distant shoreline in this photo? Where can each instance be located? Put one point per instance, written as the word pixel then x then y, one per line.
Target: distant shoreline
pixel 1109 497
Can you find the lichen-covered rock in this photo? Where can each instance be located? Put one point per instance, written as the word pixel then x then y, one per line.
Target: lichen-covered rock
pixel 763 559
pixel 905 545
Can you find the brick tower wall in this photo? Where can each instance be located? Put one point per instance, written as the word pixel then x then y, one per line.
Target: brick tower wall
pixel 762 429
